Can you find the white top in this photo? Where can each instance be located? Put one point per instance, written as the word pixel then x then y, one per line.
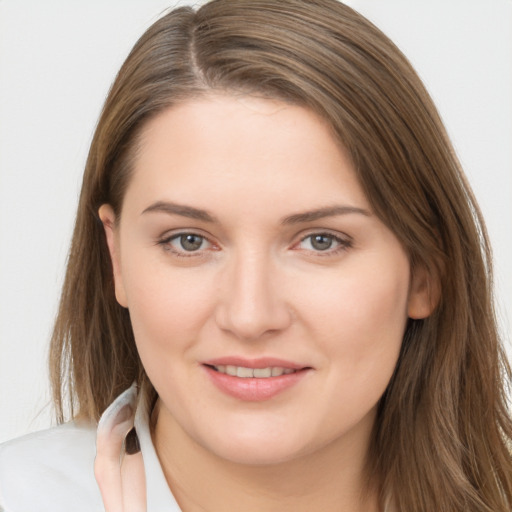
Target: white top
pixel 53 470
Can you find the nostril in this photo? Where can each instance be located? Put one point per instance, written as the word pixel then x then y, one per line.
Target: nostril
pixel 249 321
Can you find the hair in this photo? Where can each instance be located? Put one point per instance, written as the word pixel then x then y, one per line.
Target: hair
pixel 442 435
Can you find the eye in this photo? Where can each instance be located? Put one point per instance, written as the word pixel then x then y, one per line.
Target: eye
pixel 323 242
pixel 189 242
pixel 183 243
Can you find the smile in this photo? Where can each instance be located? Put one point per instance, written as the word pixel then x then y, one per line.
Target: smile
pixel 248 373
pixel 256 380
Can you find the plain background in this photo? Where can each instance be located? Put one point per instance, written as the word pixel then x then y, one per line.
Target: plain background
pixel 57 61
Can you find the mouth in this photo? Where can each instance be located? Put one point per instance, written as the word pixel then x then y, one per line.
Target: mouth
pixel 248 373
pixel 255 381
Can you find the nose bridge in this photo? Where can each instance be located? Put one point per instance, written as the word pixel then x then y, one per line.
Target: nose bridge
pixel 251 304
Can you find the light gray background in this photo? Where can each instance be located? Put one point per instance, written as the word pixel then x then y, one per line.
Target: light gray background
pixel 57 60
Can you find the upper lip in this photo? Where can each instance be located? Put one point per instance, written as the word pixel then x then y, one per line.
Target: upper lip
pixel 260 362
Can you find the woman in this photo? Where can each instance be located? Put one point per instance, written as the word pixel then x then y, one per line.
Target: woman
pixel 275 242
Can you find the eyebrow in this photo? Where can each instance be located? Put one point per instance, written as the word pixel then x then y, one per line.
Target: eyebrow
pixel 180 209
pixel 297 218
pixel 321 213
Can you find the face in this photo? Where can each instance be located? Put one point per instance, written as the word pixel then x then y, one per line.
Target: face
pixel 268 302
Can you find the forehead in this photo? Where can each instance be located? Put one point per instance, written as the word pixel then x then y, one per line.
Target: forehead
pixel 233 147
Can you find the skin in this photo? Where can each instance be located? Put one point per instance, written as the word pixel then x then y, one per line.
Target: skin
pixel 122 485
pixel 257 286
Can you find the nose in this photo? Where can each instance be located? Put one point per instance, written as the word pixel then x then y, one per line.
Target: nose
pixel 251 302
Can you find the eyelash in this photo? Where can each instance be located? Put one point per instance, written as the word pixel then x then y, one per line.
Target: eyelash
pixel 343 244
pixel 166 244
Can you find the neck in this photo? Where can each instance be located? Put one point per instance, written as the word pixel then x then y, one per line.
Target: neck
pixel 330 479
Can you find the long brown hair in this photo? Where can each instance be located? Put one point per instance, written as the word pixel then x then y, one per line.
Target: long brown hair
pixel 442 436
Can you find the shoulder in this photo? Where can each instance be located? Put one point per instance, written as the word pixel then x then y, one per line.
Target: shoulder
pixel 50 470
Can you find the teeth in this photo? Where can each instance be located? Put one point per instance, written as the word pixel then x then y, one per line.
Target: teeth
pixel 260 373
pixel 244 372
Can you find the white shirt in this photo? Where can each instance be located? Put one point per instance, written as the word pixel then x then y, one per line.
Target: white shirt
pixel 53 470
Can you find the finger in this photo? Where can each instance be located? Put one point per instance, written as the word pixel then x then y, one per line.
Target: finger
pixel 107 465
pixel 133 478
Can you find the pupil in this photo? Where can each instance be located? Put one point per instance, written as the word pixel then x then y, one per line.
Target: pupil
pixel 191 242
pixel 321 242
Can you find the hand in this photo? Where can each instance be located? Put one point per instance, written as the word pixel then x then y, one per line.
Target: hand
pixel 119 467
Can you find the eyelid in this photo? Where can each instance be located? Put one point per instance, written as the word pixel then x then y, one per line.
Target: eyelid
pixel 344 241
pixel 165 239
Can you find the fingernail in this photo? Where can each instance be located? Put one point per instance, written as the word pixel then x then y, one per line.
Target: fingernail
pixel 131 442
pixel 124 414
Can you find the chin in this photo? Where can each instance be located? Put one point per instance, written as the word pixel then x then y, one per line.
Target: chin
pixel 258 454
pixel 256 448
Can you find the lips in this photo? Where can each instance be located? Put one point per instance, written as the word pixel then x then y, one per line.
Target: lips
pixel 254 380
pixel 246 373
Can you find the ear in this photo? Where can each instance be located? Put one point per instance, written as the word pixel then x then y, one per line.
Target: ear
pixel 108 218
pixel 424 293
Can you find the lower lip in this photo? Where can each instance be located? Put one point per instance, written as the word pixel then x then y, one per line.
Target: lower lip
pixel 254 389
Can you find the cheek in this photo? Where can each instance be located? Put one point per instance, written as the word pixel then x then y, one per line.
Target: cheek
pixel 358 327
pixel 167 307
pixel 359 318
pixel 378 305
